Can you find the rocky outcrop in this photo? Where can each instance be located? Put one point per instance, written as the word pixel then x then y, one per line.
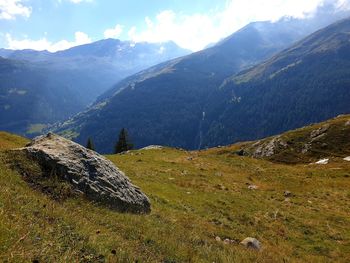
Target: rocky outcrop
pixel 268 148
pixel 88 172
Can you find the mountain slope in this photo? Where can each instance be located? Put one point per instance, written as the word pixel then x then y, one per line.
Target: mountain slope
pixel 325 140
pixel 28 98
pixel 306 83
pixel 166 104
pixel 39 87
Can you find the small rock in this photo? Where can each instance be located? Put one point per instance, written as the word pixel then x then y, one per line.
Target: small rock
pixel 253 187
pixel 347 123
pixel 218 239
pixel 227 241
pixel 288 193
pixel 287 200
pixel 347 159
pixel 251 242
pixel 233 241
pixel 323 161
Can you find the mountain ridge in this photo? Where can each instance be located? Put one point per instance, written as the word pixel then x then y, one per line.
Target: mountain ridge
pixel 287 91
pixel 64 83
pixel 156 104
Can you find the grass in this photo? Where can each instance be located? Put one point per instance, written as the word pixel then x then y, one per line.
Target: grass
pixel 195 197
pixel 10 141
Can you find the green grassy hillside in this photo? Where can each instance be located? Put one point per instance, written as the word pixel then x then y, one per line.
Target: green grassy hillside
pixel 196 197
pixel 10 141
pixel 329 139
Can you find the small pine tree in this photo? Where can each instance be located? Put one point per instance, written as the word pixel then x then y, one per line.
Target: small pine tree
pixel 90 144
pixel 123 143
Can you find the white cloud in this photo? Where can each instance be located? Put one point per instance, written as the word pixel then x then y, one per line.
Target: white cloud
pixel 44 44
pixel 195 31
pixel 10 9
pixel 113 32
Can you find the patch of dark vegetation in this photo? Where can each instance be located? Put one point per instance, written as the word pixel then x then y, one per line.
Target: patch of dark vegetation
pixel 39 178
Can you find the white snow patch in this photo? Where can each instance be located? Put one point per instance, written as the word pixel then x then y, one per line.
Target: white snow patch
pixel 323 161
pixel 347 159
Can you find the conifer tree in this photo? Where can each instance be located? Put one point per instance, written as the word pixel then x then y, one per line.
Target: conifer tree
pixel 90 144
pixel 123 143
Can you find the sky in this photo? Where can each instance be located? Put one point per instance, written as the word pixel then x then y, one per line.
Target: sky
pixel 193 24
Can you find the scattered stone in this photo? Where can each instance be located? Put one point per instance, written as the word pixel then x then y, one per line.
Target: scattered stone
pixel 88 172
pixel 287 200
pixel 306 148
pixel 227 241
pixel 347 159
pixel 253 187
pixel 251 243
pixel 323 161
pixel 288 194
pixel 319 132
pixel 189 158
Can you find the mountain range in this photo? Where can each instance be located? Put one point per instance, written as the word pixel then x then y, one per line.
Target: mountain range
pixel 39 87
pixel 202 100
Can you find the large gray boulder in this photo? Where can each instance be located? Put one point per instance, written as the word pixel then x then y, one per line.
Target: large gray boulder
pixel 90 173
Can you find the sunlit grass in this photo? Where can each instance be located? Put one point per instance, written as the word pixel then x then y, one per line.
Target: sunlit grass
pixel 195 197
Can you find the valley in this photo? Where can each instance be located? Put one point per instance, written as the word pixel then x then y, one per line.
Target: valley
pixel 175 131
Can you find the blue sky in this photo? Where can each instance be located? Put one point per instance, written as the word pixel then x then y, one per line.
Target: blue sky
pixel 192 24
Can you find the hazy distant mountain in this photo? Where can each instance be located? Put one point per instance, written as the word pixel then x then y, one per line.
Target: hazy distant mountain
pixel 28 97
pixel 168 104
pixel 99 65
pixel 54 86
